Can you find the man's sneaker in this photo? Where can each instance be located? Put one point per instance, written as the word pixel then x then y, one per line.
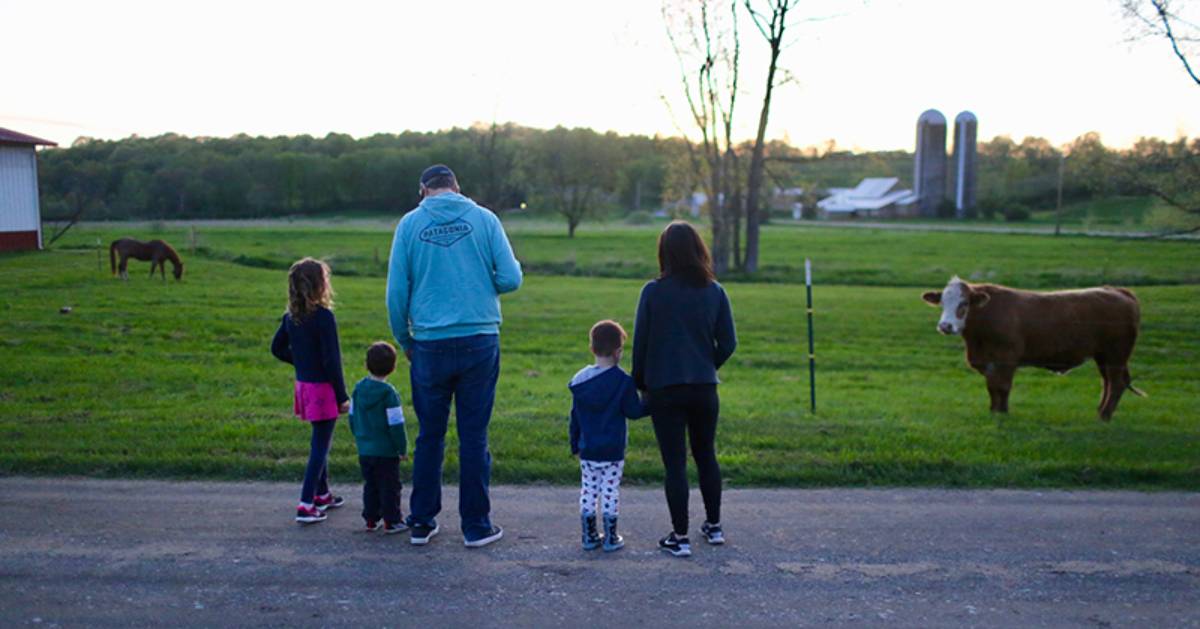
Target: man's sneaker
pixel 391 528
pixel 328 501
pixel 422 534
pixel 495 534
pixel 712 533
pixel 373 525
pixel 676 545
pixel 307 514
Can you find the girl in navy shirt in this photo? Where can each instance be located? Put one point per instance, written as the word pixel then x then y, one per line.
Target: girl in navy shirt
pixel 307 338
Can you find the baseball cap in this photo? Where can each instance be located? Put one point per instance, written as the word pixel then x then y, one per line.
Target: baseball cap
pixel 437 170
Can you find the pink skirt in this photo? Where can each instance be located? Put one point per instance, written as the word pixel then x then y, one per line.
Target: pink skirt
pixel 315 401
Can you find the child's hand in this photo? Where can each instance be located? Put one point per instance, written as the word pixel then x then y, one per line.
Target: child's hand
pixel 344 407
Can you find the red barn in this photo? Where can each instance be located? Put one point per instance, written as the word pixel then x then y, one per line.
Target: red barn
pixel 20 213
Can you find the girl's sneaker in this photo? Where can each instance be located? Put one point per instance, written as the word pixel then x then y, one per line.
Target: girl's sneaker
pixel 391 528
pixel 307 514
pixel 676 545
pixel 328 501
pixel 373 525
pixel 712 533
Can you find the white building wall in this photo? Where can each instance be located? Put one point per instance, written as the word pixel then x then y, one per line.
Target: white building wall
pixel 19 210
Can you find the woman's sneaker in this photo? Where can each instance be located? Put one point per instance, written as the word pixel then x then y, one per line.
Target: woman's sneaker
pixel 373 525
pixel 307 514
pixel 676 545
pixel 391 528
pixel 328 501
pixel 712 533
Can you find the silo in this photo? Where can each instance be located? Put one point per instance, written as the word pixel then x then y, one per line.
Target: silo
pixel 929 172
pixel 965 125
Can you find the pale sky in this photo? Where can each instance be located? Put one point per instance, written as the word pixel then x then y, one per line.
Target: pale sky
pixel 1051 68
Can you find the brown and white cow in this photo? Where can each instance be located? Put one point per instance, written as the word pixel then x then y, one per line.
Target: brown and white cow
pixel 1005 328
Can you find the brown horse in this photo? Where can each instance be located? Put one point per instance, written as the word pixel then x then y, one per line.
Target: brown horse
pixel 156 251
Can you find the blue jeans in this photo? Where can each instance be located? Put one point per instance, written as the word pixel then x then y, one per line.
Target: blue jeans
pixel 464 369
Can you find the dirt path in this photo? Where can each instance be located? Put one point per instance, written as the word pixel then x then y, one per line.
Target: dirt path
pixel 87 552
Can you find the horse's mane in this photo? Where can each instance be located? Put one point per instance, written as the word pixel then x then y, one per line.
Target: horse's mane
pixel 170 251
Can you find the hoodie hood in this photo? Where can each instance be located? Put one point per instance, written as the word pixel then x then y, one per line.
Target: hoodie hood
pixel 595 387
pixel 447 206
pixel 369 393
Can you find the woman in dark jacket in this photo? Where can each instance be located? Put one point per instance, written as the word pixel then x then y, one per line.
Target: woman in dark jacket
pixel 683 334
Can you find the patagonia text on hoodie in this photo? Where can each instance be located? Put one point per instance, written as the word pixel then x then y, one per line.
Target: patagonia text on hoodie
pixel 450 262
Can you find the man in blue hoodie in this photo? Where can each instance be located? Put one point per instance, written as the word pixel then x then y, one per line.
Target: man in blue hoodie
pixel 450 262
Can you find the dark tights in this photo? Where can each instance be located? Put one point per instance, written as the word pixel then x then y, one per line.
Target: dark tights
pixel 681 414
pixel 316 473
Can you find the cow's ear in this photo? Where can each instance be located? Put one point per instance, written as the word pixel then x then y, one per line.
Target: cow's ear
pixel 932 297
pixel 979 300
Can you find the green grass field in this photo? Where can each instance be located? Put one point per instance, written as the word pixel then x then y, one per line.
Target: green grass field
pixel 174 380
pixel 864 257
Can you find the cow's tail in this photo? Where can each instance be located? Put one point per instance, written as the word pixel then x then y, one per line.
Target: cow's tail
pixel 1136 391
pixel 112 257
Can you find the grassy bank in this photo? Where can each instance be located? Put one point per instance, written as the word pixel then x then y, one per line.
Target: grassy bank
pixel 864 257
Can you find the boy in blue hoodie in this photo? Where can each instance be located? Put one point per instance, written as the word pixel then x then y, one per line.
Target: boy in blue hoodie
pixel 377 422
pixel 603 397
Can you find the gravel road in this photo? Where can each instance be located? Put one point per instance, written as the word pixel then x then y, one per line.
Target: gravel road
pixel 137 553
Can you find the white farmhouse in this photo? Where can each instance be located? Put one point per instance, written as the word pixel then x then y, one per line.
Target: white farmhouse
pixel 20 213
pixel 873 196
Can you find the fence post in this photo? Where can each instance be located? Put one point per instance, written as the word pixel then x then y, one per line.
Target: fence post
pixel 812 359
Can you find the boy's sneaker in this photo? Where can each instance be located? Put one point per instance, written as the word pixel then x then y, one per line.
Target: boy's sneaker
pixel 712 533
pixel 422 534
pixel 391 528
pixel 493 535
pixel 676 545
pixel 373 525
pixel 328 501
pixel 307 514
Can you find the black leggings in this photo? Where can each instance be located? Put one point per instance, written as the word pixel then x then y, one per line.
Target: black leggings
pixel 682 413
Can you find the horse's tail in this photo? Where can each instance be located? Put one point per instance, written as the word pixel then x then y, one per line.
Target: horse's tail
pixel 112 257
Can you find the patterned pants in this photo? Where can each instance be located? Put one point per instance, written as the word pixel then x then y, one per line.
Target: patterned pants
pixel 601 482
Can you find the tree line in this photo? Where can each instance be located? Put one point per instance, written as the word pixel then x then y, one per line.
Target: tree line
pixel 575 173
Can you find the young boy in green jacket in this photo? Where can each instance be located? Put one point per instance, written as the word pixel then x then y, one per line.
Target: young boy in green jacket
pixel 377 422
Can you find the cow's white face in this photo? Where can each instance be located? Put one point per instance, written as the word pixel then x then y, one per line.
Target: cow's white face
pixel 956 301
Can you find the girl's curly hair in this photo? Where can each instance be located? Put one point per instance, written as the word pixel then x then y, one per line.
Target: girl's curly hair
pixel 308 288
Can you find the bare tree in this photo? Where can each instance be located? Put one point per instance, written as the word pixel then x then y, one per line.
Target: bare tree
pixel 1172 176
pixel 1161 18
pixel 772 29
pixel 705 40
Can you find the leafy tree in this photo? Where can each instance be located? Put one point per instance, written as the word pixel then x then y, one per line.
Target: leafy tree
pixel 573 172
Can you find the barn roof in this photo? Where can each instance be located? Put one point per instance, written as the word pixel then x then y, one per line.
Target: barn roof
pixel 8 136
pixel 872 193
